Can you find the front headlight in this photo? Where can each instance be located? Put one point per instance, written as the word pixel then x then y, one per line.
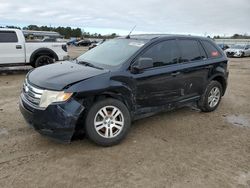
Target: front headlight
pixel 49 97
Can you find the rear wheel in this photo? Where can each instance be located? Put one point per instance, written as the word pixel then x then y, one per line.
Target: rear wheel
pixel 107 122
pixel 43 60
pixel 211 98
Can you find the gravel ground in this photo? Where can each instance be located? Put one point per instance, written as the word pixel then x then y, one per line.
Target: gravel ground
pixel 183 148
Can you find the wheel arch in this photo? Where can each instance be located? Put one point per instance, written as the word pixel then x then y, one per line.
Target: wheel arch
pixel 115 95
pixel 221 79
pixel 88 102
pixel 43 51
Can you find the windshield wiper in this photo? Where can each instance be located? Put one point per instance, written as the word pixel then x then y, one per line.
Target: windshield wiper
pixel 88 64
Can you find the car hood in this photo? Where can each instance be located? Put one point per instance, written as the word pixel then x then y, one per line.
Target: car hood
pixel 59 75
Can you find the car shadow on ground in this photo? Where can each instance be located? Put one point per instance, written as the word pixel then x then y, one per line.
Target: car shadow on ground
pixel 14 70
pixel 144 123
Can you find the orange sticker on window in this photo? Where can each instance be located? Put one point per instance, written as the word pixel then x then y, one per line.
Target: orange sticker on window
pixel 214 53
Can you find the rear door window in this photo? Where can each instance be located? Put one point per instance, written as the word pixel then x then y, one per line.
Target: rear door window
pixel 163 53
pixel 8 37
pixel 191 50
pixel 212 51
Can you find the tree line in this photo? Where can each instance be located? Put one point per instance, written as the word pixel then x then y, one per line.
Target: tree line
pixel 235 36
pixel 67 32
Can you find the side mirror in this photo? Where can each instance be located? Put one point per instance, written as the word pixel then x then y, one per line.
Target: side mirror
pixel 246 48
pixel 142 63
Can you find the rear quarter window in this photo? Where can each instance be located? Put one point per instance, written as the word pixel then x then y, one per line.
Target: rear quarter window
pixel 8 37
pixel 212 51
pixel 191 50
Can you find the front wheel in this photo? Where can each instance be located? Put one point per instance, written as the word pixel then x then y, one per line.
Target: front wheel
pixel 107 122
pixel 211 98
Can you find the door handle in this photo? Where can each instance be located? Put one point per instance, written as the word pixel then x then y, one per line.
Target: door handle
pixel 175 73
pixel 18 46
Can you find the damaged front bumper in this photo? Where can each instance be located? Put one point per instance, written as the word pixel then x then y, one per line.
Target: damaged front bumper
pixel 57 121
pixel 234 54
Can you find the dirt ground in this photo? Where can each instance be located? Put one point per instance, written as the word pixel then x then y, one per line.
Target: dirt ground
pixel 183 148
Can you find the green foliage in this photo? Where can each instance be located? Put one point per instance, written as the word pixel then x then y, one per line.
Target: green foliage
pixel 239 36
pixel 68 32
pixel 235 36
pixel 12 27
pixel 217 37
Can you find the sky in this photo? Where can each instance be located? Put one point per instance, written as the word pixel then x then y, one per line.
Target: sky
pixel 198 17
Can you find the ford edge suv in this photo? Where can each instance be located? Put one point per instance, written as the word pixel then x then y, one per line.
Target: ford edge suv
pixel 122 80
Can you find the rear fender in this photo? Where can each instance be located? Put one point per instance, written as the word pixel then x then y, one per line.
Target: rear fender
pixel 42 51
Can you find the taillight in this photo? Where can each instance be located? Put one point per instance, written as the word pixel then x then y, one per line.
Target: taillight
pixel 64 47
pixel 214 54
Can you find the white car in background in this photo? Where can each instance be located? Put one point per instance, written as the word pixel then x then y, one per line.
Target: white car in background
pixel 238 51
pixel 14 50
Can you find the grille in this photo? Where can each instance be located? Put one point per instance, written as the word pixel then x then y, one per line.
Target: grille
pixel 230 53
pixel 32 94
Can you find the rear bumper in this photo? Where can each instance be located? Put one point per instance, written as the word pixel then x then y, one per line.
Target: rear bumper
pixel 226 82
pixel 57 121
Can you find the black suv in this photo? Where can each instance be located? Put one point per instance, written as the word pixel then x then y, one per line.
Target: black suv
pixel 123 79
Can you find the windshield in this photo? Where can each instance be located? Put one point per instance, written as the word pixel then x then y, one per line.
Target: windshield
pixel 238 47
pixel 113 52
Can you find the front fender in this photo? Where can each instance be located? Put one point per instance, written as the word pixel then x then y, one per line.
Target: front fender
pixel 118 88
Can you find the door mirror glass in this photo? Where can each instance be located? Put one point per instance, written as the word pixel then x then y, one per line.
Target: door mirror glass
pixel 143 63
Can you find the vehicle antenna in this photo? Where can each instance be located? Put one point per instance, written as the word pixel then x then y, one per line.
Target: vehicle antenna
pixel 128 36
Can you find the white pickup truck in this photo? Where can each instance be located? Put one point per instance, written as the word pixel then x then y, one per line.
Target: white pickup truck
pixel 14 50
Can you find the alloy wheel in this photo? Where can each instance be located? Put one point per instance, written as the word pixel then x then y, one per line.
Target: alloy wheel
pixel 109 122
pixel 214 97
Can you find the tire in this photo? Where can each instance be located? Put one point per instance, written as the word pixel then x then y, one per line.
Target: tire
pixel 106 129
pixel 207 102
pixel 243 54
pixel 43 60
